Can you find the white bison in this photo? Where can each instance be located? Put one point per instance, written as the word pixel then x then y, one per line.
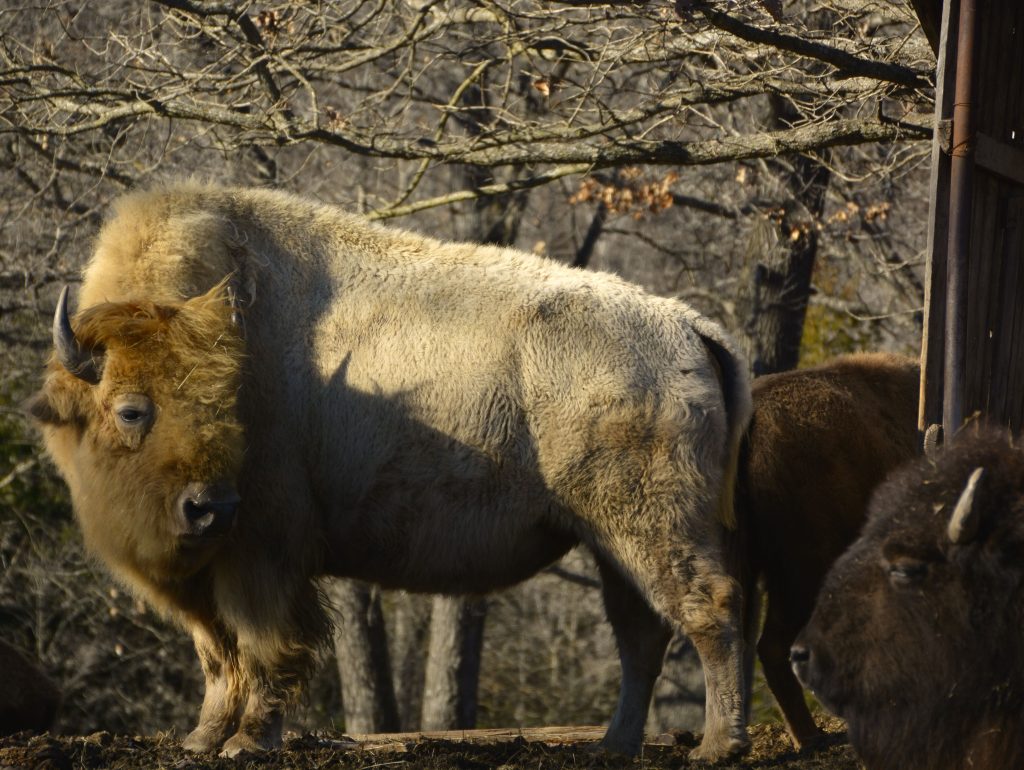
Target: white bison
pixel 258 390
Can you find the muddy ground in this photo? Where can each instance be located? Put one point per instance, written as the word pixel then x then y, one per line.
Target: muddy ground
pixel 771 749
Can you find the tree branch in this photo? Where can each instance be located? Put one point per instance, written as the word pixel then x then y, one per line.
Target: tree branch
pixel 802 139
pixel 484 191
pixel 841 60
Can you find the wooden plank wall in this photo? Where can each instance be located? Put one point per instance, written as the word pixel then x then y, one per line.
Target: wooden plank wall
pixel 994 376
pixel 994 383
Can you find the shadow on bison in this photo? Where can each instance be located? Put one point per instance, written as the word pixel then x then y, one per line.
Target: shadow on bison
pixel 258 390
pixel 916 637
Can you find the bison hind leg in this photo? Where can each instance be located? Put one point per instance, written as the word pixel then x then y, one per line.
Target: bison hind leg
pixel 688 589
pixel 773 649
pixel 642 637
pixel 707 608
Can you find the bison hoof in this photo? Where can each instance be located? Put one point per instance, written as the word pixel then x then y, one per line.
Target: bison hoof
pixel 200 741
pixel 717 750
pixel 240 742
pixel 809 741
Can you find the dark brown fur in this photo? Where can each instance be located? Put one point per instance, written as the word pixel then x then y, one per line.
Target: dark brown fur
pixel 916 639
pixel 28 697
pixel 820 441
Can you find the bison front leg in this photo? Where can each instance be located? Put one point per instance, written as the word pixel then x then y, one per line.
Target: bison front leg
pixel 273 674
pixel 222 698
pixel 260 726
pixel 277 657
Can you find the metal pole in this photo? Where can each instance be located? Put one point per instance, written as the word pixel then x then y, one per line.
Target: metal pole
pixel 960 206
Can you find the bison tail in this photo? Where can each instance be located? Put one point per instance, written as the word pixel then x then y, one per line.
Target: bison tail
pixel 735 384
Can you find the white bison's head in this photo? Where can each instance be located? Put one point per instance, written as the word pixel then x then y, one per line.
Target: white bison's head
pixel 138 412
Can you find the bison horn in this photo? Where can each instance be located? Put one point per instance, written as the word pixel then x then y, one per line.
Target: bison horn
pixel 69 352
pixel 963 524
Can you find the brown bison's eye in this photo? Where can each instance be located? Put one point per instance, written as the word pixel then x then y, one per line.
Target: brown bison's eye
pixel 907 571
pixel 133 414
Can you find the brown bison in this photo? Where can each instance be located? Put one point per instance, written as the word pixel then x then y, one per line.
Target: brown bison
pixel 819 442
pixel 916 637
pixel 258 390
pixel 28 697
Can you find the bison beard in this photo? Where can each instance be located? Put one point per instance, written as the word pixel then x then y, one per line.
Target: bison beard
pixel 915 640
pixel 436 417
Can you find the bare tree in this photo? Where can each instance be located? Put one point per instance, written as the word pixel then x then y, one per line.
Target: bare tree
pixel 783 261
pixel 624 85
pixel 364 667
pixel 98 96
pixel 453 663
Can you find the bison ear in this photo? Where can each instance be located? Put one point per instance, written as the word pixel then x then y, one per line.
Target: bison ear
pixel 41 407
pixel 963 524
pixel 56 403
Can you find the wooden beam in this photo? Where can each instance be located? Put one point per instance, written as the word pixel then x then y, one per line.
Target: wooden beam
pixel 1000 158
pixel 400 741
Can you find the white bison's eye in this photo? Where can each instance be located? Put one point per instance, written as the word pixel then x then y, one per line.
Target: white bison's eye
pixel 128 415
pixel 133 413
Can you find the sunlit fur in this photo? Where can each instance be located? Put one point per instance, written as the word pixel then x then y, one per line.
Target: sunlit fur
pixel 442 417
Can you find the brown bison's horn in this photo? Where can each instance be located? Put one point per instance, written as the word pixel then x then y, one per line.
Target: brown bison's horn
pixel 70 354
pixel 963 524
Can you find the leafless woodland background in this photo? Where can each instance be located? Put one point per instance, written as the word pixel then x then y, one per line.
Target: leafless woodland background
pixel 744 163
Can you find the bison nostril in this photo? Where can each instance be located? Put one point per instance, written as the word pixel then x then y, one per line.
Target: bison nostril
pixel 193 510
pixel 201 517
pixel 207 512
pixel 799 654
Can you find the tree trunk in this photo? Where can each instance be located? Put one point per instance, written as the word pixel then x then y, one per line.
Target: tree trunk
pixel 361 648
pixel 453 663
pixel 784 262
pixel 410 626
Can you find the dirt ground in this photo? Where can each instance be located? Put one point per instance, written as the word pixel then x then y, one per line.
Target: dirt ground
pixel 771 749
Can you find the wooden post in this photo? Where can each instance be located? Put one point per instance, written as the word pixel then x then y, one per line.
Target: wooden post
pixel 960 209
pixel 932 347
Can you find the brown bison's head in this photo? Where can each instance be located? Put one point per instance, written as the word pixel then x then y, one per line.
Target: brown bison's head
pixel 138 412
pixel 916 637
